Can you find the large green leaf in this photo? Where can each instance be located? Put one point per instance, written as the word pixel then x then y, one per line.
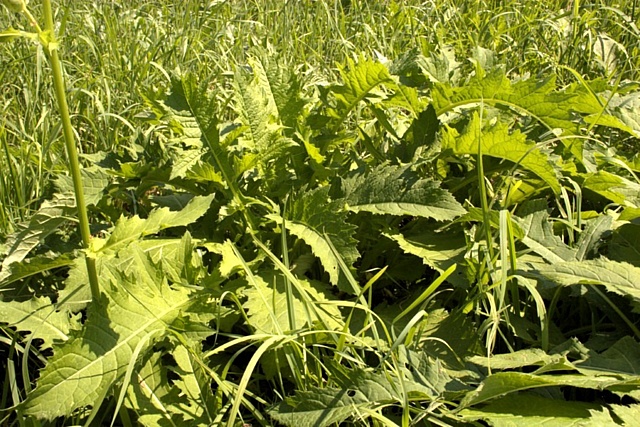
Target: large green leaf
pixel 619 277
pixel 95 180
pixel 359 80
pixel 398 190
pixel 437 250
pixel 269 309
pixel 540 238
pixel 531 97
pixel 527 409
pixel 614 187
pixel 625 244
pixel 51 215
pixel 502 383
pixel 314 218
pixel 33 266
pixel 522 358
pixel 131 229
pixel 499 142
pixel 263 138
pixel 133 311
pixel 318 407
pixel 621 359
pixel 40 318
pixel 151 396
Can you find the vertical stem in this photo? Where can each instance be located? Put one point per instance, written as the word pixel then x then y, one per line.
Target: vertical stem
pixel 72 154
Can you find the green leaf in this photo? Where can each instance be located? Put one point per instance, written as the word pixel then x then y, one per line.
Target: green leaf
pixel 285 87
pixel 131 229
pixel 255 104
pixel 626 107
pixel 618 277
pixel 151 395
pixel 184 161
pixel 437 250
pixel 442 67
pixel 621 359
pixel 624 245
pixel 268 309
pixel 33 266
pixel 194 386
pixel 628 414
pixel 528 409
pixel 134 310
pixel 192 108
pixel 530 97
pixel 319 407
pixel 359 79
pixel 522 358
pixel 397 190
pixel 39 317
pixel 51 215
pixel 311 217
pixel 497 141
pixel 614 187
pixel 540 238
pixel 95 180
pixel 502 383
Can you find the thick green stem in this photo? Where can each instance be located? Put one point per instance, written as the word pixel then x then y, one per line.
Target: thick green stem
pixel 69 139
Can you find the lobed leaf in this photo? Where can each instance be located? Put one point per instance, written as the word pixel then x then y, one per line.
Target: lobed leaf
pixel 528 409
pixel 618 277
pixel 312 217
pixel 499 142
pixel 40 318
pixel 398 190
pixel 133 311
pixel 268 308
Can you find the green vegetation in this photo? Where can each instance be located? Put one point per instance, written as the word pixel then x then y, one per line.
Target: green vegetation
pixel 312 213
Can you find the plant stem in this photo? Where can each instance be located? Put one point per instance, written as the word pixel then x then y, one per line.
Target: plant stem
pixel 72 154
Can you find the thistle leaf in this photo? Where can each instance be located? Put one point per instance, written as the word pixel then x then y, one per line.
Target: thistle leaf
pixel 51 215
pixel 40 318
pixel 529 409
pixel 359 81
pixel 131 229
pixel 618 277
pixel 313 216
pixel 133 311
pixel 498 142
pixel 268 309
pixel 255 104
pixel 397 190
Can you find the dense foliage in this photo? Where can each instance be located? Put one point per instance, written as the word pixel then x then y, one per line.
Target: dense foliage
pixel 429 235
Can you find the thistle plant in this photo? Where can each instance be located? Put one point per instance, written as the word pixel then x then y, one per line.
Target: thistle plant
pixel 47 39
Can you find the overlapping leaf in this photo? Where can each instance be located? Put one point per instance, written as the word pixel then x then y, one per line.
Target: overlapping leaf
pixel 256 105
pixel 51 215
pixel 314 218
pixel 133 311
pixel 529 409
pixel 359 79
pixel 397 190
pixel 40 319
pixel 269 309
pixel 618 277
pixel 499 142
